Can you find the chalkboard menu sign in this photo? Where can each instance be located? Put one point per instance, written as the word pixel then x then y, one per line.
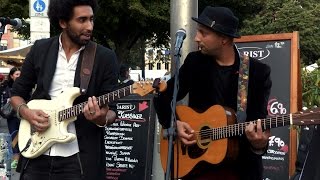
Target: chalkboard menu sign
pixel 129 141
pixel 277 53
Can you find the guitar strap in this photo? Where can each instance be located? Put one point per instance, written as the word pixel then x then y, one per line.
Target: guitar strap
pixel 87 65
pixel 242 88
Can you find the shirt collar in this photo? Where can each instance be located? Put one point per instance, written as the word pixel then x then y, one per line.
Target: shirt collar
pixel 60 45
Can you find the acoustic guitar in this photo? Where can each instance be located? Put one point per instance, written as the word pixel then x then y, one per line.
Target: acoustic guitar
pixel 215 131
pixel 62 112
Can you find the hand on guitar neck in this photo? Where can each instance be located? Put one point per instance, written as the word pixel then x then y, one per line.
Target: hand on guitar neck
pixel 256 136
pixel 254 132
pixel 96 114
pixel 39 120
pixel 214 130
pixel 36 138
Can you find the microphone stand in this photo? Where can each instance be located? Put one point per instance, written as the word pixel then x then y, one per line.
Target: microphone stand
pixel 171 131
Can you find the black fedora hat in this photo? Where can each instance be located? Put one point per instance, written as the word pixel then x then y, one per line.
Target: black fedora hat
pixel 219 19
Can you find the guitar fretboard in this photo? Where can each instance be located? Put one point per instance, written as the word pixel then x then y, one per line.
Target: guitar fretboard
pixel 102 100
pixel 238 129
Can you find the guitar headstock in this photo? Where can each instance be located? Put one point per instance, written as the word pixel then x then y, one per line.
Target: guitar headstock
pixel 146 87
pixel 307 117
pixel 159 85
pixel 143 87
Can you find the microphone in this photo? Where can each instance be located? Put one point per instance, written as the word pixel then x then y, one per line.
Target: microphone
pixel 180 36
pixel 15 23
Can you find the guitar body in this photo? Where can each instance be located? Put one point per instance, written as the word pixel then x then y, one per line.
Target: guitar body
pixel 213 152
pixel 61 113
pixel 56 133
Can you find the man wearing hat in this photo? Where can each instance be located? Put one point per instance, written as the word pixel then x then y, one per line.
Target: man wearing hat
pixel 211 76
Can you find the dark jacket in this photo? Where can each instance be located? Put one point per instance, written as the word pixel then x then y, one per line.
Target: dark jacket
pixel 198 78
pixel 38 69
pixel 311 166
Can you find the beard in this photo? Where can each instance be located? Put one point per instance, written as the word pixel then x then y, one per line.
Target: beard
pixel 211 52
pixel 214 52
pixel 76 38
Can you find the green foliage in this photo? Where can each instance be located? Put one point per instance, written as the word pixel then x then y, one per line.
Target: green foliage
pixel 16 9
pixel 286 16
pixel 124 25
pixel 136 57
pixel 311 87
pixel 120 24
pixel 243 9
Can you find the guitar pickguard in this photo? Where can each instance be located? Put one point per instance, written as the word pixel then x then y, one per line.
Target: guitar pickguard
pixel 194 151
pixel 32 143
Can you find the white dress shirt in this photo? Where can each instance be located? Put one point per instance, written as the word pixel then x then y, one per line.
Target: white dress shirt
pixel 64 78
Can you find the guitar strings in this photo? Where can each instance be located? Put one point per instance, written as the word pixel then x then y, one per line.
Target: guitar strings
pixel 237 126
pixel 235 129
pixel 77 109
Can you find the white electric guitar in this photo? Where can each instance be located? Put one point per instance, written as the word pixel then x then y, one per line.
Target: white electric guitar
pixel 61 112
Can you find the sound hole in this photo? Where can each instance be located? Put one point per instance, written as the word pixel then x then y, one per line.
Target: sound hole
pixel 204 138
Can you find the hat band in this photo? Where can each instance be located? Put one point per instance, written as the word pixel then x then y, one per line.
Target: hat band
pixel 223 29
pixel 218 27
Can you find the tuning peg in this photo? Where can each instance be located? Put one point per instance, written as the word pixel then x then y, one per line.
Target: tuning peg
pixel 156 83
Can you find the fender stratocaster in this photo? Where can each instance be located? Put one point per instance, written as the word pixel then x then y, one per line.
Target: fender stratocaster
pixel 61 112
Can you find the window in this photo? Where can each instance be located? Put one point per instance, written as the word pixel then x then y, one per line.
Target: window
pixel 2 48
pixel 158 66
pixel 166 66
pixel 3 45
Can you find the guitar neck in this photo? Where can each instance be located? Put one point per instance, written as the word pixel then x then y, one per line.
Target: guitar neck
pixel 101 100
pixel 238 129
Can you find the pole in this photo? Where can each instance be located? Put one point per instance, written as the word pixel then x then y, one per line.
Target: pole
pixel 181 12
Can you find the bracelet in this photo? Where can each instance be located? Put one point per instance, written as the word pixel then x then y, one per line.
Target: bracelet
pixel 18 109
pixel 107 119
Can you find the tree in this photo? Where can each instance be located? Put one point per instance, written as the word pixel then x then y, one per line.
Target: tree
pixel 285 16
pixel 120 24
pixel 16 9
pixel 243 9
pixel 311 86
pixel 124 25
